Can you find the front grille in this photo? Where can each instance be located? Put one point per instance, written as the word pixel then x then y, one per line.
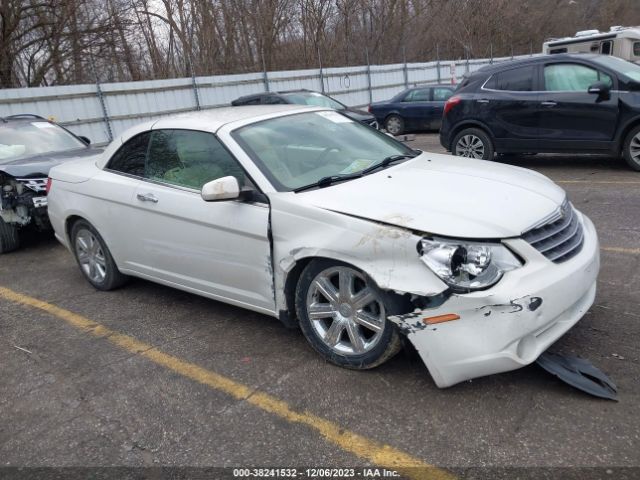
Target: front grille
pixel 561 238
pixel 35 184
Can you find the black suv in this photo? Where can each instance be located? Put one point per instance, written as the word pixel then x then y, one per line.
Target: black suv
pixel 554 103
pixel 29 147
pixel 306 97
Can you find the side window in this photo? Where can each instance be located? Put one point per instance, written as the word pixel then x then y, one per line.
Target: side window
pixel 419 95
pixel 636 49
pixel 514 80
pixel 130 158
pixel 189 158
pixel 272 100
pixel 571 77
pixel 606 47
pixel 441 94
pixel 252 101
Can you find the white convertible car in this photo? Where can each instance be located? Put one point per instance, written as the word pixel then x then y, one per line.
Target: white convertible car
pixel 308 216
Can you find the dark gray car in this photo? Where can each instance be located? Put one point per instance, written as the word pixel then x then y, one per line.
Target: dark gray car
pixel 29 147
pixel 306 97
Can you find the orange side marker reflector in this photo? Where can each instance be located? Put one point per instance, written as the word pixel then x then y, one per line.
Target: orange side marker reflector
pixel 441 318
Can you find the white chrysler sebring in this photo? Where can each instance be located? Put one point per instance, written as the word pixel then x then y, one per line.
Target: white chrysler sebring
pixel 308 216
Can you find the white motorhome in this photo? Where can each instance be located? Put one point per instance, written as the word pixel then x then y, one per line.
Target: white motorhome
pixel 623 42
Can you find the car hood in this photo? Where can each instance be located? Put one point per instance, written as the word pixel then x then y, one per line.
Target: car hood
pixel 39 165
pixel 358 115
pixel 448 196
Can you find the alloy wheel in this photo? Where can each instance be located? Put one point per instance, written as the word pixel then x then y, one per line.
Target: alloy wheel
pixel 634 148
pixel 90 255
pixel 344 311
pixel 470 146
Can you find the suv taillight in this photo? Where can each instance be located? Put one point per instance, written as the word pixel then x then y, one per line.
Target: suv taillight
pixel 48 187
pixel 369 109
pixel 452 102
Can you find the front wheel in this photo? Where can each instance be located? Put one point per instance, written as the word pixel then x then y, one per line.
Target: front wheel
pixel 9 239
pixel 473 143
pixel 343 315
pixel 631 149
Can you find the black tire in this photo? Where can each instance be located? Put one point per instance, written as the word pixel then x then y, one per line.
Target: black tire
pixel 394 124
pixel 9 238
pixel 631 149
pixel 383 347
pixel 465 141
pixel 112 277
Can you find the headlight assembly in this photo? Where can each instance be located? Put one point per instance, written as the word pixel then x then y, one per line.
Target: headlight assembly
pixel 466 266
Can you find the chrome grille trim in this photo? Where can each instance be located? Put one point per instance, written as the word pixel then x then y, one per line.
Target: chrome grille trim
pixel 35 184
pixel 561 238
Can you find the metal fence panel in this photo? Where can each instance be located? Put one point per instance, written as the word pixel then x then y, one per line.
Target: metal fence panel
pixel 99 110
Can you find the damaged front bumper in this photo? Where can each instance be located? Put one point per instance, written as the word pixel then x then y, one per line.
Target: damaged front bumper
pixel 509 325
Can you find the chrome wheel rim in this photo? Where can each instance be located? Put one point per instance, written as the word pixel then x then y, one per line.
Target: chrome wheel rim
pixel 345 312
pixel 470 146
pixel 634 148
pixel 393 125
pixel 91 256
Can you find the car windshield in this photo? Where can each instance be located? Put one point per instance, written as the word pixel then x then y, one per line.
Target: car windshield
pixel 28 139
pixel 628 69
pixel 298 150
pixel 314 99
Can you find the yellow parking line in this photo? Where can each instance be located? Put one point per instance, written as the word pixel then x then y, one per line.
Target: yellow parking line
pixel 604 182
pixel 377 453
pixel 630 251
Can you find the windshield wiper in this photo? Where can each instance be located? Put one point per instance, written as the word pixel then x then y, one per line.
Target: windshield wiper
pixel 388 161
pixel 326 181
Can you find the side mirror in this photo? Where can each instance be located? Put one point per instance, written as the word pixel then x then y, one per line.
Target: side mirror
pixel 225 188
pixel 600 88
pixel 85 140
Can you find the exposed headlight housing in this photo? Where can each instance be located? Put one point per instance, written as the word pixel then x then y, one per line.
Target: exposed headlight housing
pixel 467 266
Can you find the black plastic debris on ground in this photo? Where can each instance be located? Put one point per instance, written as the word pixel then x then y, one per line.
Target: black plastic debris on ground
pixel 579 373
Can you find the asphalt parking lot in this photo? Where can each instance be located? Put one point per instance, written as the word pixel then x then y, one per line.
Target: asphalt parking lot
pixel 150 376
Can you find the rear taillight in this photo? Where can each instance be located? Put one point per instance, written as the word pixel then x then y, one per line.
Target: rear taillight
pixel 452 102
pixel 369 109
pixel 48 187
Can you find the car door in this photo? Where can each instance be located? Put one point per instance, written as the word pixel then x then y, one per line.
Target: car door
pixel 112 191
pixel 439 95
pixel 508 104
pixel 568 113
pixel 221 249
pixel 416 109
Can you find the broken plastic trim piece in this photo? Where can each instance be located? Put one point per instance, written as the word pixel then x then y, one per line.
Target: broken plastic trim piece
pixel 441 318
pixel 580 374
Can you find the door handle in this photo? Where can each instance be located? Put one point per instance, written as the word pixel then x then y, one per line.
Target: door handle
pixel 482 100
pixel 549 104
pixel 147 197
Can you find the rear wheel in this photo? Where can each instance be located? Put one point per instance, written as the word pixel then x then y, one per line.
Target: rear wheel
pixel 9 239
pixel 631 149
pixel 394 124
pixel 473 143
pixel 343 315
pixel 93 257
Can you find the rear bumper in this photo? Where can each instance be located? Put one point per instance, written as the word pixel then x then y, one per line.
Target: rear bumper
pixel 444 140
pixel 511 324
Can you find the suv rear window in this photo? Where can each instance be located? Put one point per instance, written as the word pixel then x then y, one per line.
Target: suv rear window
pixel 514 80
